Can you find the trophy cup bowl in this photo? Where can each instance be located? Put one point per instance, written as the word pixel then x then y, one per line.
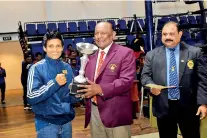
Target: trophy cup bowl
pixel 86 49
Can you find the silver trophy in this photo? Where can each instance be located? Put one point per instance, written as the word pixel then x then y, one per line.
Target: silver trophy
pixel 86 49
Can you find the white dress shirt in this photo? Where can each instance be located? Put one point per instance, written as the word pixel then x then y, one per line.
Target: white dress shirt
pixel 106 50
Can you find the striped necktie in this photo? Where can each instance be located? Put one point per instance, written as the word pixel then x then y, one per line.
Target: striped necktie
pixel 173 93
pixel 100 62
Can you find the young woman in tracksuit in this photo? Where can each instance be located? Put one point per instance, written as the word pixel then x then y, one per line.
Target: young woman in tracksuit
pixel 48 92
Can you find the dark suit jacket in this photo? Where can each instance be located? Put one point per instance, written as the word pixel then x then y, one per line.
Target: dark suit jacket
pixel 115 78
pixel 25 69
pixel 2 75
pixel 155 72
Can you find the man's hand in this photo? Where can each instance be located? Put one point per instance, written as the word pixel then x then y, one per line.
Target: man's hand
pixel 61 79
pixel 155 91
pixel 90 90
pixel 202 111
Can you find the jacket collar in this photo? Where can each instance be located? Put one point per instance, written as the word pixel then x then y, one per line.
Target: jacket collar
pixel 52 61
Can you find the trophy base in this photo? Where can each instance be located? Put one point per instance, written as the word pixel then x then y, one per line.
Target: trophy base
pixel 75 88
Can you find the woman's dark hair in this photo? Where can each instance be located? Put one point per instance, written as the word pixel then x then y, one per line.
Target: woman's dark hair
pixel 135 45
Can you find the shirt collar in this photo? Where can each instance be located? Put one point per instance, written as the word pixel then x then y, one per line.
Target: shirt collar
pixel 106 50
pixel 52 60
pixel 177 48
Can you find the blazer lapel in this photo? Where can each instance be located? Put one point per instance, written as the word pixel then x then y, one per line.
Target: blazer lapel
pixel 183 60
pixel 109 56
pixel 163 64
pixel 92 66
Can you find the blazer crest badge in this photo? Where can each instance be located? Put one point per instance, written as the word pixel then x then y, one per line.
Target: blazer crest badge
pixel 190 64
pixel 112 67
pixel 65 72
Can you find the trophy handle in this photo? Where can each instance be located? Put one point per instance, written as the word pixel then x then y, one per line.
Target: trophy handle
pixel 84 61
pixel 80 78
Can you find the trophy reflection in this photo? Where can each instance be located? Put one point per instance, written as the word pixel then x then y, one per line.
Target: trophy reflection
pixel 86 49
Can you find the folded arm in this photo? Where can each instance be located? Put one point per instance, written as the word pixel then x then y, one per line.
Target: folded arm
pixel 37 91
